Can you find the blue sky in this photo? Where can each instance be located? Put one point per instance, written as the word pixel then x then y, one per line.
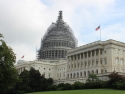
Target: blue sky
pixel 24 22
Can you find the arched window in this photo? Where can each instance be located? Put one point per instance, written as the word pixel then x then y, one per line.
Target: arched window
pixel 84 73
pixel 96 71
pixel 71 75
pixel 68 76
pixel 88 73
pixel 77 75
pixel 74 75
pixel 92 71
pixel 101 70
pixel 80 74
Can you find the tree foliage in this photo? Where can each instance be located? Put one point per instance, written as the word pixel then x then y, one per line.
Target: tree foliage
pixel 33 81
pixel 8 73
pixel 116 81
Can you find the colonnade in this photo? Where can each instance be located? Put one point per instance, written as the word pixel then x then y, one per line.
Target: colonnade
pixel 84 60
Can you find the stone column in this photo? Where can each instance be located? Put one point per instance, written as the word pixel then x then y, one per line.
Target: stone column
pixel 91 58
pixel 70 63
pixel 83 60
pixel 76 62
pixel 99 63
pixel 67 58
pixel 73 62
pixel 95 57
pixel 87 60
pixel 80 60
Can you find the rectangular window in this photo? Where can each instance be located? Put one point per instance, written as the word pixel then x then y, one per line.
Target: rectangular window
pixel 81 64
pixel 85 64
pixel 92 62
pixel 105 60
pixel 101 61
pixel 121 52
pixel 116 51
pixel 96 62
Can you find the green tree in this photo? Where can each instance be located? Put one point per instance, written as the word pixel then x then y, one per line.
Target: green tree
pixel 93 82
pixel 116 81
pixel 8 73
pixel 35 79
pixel 92 78
pixel 24 83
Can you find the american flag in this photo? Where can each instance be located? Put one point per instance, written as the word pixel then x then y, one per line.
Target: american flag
pixel 97 28
pixel 22 56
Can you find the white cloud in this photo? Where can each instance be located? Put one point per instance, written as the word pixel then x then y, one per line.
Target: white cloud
pixel 24 22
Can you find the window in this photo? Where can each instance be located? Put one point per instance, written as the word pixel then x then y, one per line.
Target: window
pixel 92 62
pixel 96 62
pixel 88 63
pixel 85 64
pixel 121 61
pixel 71 75
pixel 105 52
pixel 75 65
pixel 57 75
pixel 100 52
pixel 105 60
pixel 92 72
pixel 116 51
pixel 49 75
pixel 84 74
pixel 101 70
pixel 122 70
pixel 64 74
pixel 96 71
pixel 101 61
pixel 67 75
pixel 81 64
pixel 44 74
pixel 88 73
pixel 121 52
pixel 80 74
pixel 116 60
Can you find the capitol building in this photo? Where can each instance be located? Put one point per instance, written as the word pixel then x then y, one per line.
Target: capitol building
pixel 60 58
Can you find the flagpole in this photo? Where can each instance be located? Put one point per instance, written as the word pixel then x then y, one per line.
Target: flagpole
pixel 100 34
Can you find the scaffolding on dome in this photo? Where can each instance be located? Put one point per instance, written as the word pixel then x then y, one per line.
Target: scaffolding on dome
pixel 57 40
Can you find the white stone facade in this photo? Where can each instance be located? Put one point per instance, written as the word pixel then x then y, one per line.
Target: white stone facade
pixel 55 69
pixel 101 58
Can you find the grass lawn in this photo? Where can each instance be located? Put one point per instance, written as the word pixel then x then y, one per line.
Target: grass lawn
pixel 84 91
